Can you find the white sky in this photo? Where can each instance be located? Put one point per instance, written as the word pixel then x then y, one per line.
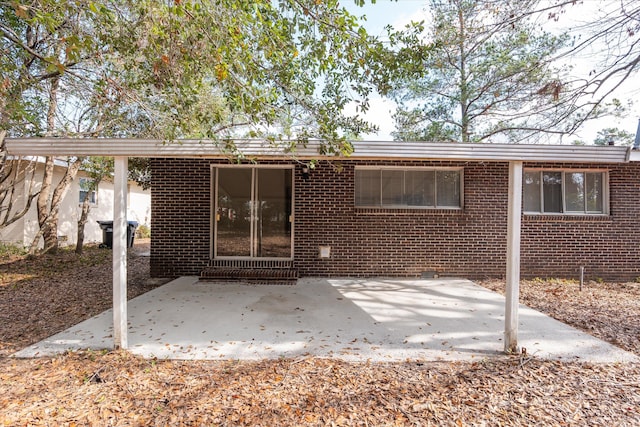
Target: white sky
pixel 398 13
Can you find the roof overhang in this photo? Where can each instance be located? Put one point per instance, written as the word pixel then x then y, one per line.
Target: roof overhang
pixel 262 149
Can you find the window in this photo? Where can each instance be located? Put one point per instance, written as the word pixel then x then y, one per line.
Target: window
pixel 408 188
pixel 567 192
pixel 87 186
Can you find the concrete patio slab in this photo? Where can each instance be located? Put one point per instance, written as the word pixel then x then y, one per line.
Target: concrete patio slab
pixel 350 319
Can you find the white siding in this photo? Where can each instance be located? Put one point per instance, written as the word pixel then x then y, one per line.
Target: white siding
pixel 23 231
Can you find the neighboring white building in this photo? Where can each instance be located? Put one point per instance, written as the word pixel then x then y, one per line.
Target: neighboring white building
pixel 23 231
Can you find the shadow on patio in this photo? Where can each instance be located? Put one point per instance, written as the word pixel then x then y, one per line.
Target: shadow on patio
pixel 351 319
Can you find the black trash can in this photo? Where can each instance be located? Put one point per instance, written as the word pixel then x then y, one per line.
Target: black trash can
pixel 131 232
pixel 107 233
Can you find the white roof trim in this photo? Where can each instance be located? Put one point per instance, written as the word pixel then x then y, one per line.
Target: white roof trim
pixel 363 150
pixel 634 156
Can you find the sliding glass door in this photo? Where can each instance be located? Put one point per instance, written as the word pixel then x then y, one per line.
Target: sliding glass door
pixel 253 209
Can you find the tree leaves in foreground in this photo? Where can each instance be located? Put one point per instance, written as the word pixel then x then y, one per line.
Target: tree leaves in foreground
pixel 186 69
pixel 476 74
pixel 227 69
pixel 181 69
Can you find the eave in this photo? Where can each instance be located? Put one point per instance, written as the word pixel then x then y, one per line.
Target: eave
pixel 261 149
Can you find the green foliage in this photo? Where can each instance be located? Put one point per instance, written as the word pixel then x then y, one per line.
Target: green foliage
pixel 40 42
pixel 474 74
pixel 617 136
pixel 228 69
pixel 11 249
pixel 143 231
pixel 140 171
pixel 98 167
pixel 186 69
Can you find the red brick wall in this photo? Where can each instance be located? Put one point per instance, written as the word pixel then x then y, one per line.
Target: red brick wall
pixel 180 200
pixel 367 242
pixel 608 247
pixel 404 242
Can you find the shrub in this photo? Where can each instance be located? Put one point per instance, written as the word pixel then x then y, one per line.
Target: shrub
pixel 144 232
pixel 8 249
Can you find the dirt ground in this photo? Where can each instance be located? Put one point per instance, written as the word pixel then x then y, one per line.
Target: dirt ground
pixel 42 296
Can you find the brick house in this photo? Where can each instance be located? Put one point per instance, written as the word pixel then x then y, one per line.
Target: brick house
pixel 391 209
pixel 398 209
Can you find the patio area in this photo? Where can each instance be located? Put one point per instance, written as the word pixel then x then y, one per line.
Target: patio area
pixel 350 319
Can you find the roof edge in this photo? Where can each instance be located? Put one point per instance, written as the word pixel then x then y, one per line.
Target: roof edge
pixel 392 150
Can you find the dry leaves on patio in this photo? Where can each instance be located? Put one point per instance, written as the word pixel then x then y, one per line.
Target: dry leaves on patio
pixel 120 389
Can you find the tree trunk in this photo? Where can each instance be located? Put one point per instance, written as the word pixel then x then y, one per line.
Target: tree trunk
pixel 51 230
pixel 12 176
pixel 50 239
pixel 86 208
pixel 42 206
pixel 464 90
pixel 82 221
pixel 48 210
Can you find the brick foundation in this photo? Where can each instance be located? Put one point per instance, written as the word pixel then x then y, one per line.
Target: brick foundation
pixel 470 242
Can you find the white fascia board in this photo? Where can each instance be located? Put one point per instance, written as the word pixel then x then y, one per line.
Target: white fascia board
pixel 491 152
pixel 392 150
pixel 40 160
pixel 634 156
pixel 147 148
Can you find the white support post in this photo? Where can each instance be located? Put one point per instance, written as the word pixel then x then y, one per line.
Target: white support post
pixel 120 253
pixel 514 212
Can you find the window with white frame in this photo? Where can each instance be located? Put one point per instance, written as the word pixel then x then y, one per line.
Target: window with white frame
pixel 573 192
pixel 87 187
pixel 414 188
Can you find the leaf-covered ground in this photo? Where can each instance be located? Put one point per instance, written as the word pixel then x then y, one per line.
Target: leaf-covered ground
pixel 119 389
pixel 41 296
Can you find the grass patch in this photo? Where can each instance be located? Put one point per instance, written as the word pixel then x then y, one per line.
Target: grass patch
pixel 10 250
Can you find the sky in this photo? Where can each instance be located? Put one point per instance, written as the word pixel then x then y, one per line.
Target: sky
pixel 379 15
pixel 400 12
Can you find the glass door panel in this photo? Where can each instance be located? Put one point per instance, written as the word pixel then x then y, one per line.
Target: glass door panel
pixel 233 212
pixel 273 213
pixel 253 213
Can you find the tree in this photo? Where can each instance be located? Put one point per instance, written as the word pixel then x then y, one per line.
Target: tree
pixel 98 168
pixel 14 173
pixel 226 69
pixel 180 69
pixel 46 46
pixel 475 75
pixel 614 135
pixel 607 37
